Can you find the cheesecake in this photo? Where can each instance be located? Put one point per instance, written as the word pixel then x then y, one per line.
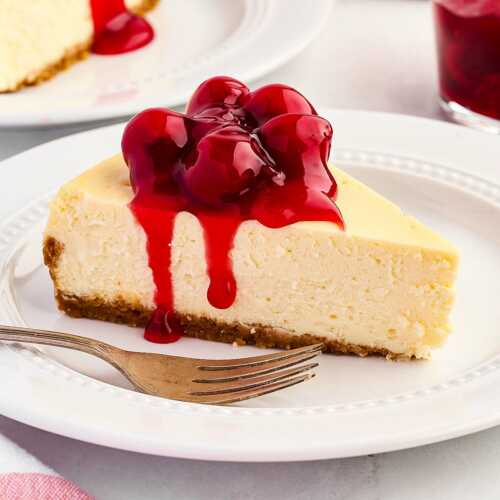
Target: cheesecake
pixel 40 38
pixel 226 224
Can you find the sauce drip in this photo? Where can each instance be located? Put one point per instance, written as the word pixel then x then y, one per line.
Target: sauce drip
pixel 116 29
pixel 234 156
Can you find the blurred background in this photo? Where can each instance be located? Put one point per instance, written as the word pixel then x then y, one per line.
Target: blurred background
pixel 370 54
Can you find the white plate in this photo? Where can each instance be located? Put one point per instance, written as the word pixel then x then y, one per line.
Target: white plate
pixel 442 173
pixel 195 39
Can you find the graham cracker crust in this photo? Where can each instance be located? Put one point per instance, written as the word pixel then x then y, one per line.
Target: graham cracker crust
pixel 70 57
pixel 120 311
pixel 52 250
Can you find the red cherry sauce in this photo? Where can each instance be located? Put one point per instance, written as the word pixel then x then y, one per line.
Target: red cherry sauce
pixel 234 156
pixel 116 29
pixel 468 39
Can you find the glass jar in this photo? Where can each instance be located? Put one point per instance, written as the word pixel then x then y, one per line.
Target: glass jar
pixel 468 45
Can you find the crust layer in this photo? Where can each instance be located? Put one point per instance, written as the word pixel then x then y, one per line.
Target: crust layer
pixel 120 311
pixel 70 57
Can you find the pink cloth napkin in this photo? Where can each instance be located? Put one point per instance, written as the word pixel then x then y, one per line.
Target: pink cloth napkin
pixel 23 477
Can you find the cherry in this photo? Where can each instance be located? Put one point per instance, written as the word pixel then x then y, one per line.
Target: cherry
pixel 228 164
pixel 276 99
pixel 216 93
pixel 152 145
pixel 300 147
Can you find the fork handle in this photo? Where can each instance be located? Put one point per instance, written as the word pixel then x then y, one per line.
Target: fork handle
pixel 58 339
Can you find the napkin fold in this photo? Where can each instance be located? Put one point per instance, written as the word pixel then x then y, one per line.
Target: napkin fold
pixel 23 477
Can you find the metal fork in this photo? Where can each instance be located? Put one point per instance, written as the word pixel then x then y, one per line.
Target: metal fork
pixel 209 381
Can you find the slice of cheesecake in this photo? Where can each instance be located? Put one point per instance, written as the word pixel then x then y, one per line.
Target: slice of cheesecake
pixel 384 285
pixel 39 38
pixel 227 224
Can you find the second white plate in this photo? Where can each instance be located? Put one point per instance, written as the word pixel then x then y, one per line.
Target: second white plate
pixel 195 39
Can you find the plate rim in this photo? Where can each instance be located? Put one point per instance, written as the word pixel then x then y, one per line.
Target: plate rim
pixel 316 450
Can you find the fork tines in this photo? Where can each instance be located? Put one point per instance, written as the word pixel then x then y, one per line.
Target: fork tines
pixel 232 380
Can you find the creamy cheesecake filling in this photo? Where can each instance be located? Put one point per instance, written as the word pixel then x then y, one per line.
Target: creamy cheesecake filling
pixel 385 284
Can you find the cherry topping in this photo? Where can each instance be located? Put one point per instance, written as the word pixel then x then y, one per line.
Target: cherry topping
pixel 116 30
pixel 274 100
pixel 152 144
pixel 228 165
pixel 219 92
pixel 235 156
pixel 300 146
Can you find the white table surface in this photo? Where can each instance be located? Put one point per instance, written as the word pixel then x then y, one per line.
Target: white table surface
pixel 372 54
